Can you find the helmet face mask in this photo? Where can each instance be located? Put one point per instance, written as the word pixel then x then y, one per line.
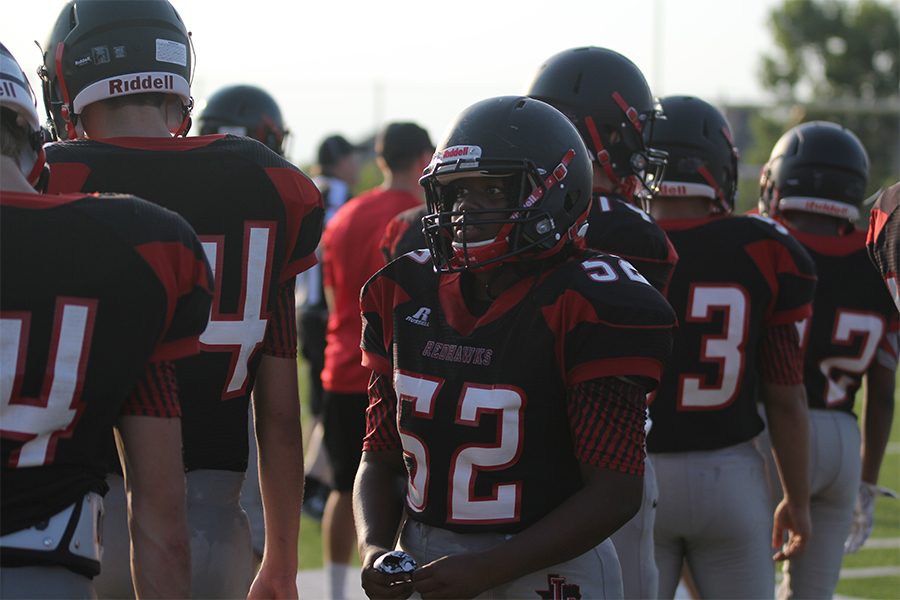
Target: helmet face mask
pixel 607 98
pixel 703 160
pixel 248 111
pixel 816 167
pixel 535 154
pixel 102 49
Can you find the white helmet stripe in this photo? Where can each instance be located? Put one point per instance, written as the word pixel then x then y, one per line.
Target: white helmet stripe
pixel 133 83
pixel 819 206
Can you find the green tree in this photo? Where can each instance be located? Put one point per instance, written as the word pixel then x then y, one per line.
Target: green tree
pixel 838 61
pixel 833 49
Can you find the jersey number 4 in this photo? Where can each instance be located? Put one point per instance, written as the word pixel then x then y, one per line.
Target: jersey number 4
pixel 241 332
pixel 502 506
pixel 39 421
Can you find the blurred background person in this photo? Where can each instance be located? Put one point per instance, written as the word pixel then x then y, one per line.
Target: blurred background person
pixel 336 174
pixel 351 254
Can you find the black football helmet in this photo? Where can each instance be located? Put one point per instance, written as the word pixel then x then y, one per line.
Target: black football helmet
pixel 245 110
pixel 607 98
pixel 539 147
pixel 816 167
pixel 100 49
pixel 703 160
pixel 17 97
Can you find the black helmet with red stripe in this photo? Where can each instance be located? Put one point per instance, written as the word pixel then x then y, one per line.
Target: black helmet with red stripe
pixel 607 98
pixel 703 160
pixel 816 167
pixel 245 110
pixel 536 155
pixel 101 49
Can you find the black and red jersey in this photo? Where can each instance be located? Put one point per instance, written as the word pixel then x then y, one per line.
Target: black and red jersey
pixel 404 234
pixel 482 398
pixel 617 227
pixel 883 239
pixel 98 295
pixel 736 277
pixel 259 219
pixel 851 316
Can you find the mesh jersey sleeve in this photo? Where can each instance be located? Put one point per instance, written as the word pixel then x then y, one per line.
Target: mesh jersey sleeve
pixel 281 330
pixel 780 355
pixel 606 418
pixel 155 394
pixel 376 305
pixel 381 416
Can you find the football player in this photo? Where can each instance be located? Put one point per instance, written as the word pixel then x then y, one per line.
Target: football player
pixel 245 110
pixel 883 239
pixel 249 111
pixel 607 98
pixel 510 368
pixel 349 257
pixel 99 295
pixel 814 183
pixel 119 73
pixel 740 286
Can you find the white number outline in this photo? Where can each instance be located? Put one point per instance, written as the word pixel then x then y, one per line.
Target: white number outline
pixel 504 506
pixel 41 421
pixel 849 325
pixel 241 333
pixel 694 393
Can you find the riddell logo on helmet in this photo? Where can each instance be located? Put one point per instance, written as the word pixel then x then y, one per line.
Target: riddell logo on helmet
pixel 826 208
pixel 140 84
pixel 461 152
pixel 667 189
pixel 8 90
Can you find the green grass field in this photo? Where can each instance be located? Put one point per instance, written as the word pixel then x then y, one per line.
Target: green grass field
pixel 882 553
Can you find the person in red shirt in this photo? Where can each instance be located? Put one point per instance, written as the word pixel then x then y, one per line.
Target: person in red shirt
pixel 351 255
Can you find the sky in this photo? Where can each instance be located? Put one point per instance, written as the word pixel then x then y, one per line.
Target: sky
pixel 338 66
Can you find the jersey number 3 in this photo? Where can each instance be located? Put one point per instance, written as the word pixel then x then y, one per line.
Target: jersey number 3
pixel 725 350
pixel 39 421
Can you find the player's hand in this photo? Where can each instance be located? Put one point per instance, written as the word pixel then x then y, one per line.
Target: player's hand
pixel 378 584
pixel 864 515
pixel 271 584
pixel 456 576
pixel 793 522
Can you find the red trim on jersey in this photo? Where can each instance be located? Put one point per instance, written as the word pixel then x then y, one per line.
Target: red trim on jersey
pixel 681 224
pixel 176 349
pixel 38 201
pixel 773 258
pixel 177 268
pixel 67 177
pixel 877 220
pixel 376 363
pixel 831 245
pixel 457 313
pixel 300 197
pixel 621 365
pixel 169 144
